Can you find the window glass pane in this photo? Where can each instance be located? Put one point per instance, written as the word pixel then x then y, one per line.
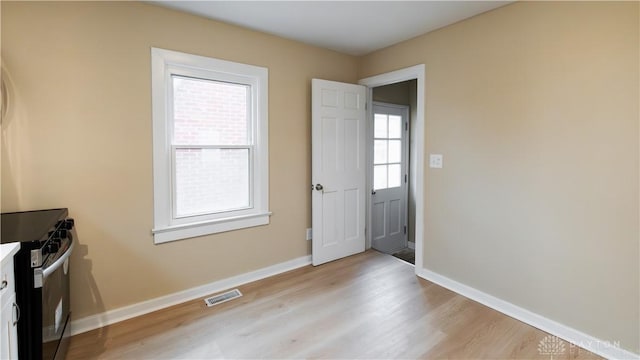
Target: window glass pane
pixel 395 151
pixel 395 127
pixel 380 126
pixel 379 177
pixel 395 177
pixel 208 112
pixel 211 180
pixel 380 151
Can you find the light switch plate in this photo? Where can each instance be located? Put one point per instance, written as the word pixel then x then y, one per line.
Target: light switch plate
pixel 309 234
pixel 435 161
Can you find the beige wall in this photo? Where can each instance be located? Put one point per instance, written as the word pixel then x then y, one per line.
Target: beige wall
pixel 79 136
pixel 535 108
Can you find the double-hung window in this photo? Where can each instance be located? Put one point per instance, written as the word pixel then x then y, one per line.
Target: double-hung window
pixel 210 145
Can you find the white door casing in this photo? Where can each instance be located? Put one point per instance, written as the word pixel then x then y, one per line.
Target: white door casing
pixel 416 72
pixel 389 169
pixel 338 170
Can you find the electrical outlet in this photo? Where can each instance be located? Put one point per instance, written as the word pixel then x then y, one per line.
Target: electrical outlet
pixel 309 234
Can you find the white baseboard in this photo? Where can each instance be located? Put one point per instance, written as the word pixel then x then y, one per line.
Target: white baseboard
pixel 116 315
pixel 411 245
pixel 573 336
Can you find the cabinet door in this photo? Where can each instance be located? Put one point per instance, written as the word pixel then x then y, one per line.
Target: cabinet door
pixel 9 335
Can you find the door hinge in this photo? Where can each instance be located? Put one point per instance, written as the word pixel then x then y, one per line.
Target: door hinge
pixel 405 229
pixel 405 178
pixel 406 126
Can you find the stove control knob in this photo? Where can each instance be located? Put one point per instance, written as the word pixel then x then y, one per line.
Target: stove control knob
pixel 58 234
pixel 68 224
pixel 53 247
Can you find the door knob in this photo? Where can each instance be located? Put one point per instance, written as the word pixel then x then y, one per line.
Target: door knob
pixel 319 187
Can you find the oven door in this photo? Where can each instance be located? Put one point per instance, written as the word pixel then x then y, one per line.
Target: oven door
pixel 56 307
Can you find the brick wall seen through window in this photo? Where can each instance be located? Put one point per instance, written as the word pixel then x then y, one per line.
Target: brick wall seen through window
pixel 215 113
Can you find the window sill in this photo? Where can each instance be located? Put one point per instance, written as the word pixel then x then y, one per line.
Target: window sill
pixel 179 232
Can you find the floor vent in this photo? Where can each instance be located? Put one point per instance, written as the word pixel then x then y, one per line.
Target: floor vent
pixel 224 297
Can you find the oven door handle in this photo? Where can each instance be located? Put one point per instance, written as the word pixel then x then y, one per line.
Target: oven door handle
pixel 40 275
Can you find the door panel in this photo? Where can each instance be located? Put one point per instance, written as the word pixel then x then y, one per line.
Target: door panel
pixel 395 217
pixel 338 170
pixel 351 197
pixel 328 144
pixel 378 216
pixel 352 148
pixel 329 215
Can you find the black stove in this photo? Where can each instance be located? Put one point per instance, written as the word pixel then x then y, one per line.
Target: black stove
pixel 46 238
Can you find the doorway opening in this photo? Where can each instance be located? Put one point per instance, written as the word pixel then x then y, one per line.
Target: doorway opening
pixel 403 87
pixel 341 187
pixel 392 169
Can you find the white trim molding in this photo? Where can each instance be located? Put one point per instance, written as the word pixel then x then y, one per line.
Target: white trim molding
pixel 166 67
pixel 93 322
pixel 597 346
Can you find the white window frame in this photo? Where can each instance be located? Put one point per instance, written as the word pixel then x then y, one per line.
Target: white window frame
pixel 168 227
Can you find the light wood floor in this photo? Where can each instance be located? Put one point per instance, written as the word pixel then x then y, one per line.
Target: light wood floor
pixel 366 306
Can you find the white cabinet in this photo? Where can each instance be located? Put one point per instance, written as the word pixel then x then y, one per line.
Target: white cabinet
pixel 9 321
pixel 9 311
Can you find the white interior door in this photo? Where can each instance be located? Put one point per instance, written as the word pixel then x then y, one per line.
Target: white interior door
pixel 390 177
pixel 338 170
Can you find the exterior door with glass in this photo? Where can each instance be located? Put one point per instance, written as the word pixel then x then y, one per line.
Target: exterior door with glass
pixel 390 177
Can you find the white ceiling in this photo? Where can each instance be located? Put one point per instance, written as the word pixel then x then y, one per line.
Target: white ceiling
pixel 351 27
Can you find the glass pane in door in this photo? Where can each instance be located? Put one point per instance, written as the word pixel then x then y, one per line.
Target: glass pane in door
pixel 379 177
pixel 395 176
pixel 380 126
pixel 395 127
pixel 380 151
pixel 395 151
